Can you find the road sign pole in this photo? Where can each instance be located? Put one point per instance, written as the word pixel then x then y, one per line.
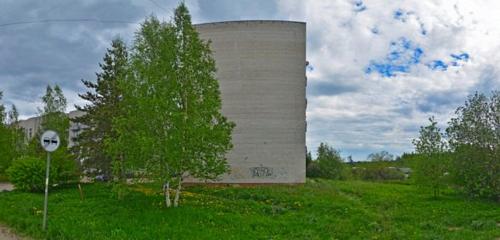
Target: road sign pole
pixel 44 227
pixel 50 142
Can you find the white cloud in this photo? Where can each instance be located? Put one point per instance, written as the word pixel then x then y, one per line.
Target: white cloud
pixel 384 113
pixel 356 112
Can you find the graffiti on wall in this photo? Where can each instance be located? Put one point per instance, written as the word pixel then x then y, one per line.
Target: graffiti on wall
pixel 261 172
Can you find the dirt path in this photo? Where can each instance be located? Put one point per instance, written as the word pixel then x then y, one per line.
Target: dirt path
pixel 6 187
pixel 7 234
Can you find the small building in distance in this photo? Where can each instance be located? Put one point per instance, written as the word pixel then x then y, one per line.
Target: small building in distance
pixel 32 125
pixel 261 72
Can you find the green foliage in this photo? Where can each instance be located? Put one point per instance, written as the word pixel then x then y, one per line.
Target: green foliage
pixel 380 156
pixel 120 189
pixel 204 134
pixel 309 158
pixel 313 170
pixel 5 157
pixel 474 136
pixel 319 209
pixel 377 173
pixel 172 124
pixel 104 96
pixel 2 110
pixel 328 163
pixel 18 143
pixel 476 170
pixel 67 170
pixel 432 165
pixel 6 150
pixel 28 174
pixel 144 132
pixel 53 115
pixel 430 140
pixel 54 118
pixel 11 137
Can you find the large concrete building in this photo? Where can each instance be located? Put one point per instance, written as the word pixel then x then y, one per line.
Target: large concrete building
pixel 261 69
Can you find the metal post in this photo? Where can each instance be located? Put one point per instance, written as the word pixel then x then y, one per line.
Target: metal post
pixel 44 227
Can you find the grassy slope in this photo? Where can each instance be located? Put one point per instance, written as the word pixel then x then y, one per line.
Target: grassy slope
pixel 317 210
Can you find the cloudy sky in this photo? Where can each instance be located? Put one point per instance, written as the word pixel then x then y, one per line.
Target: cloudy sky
pixel 378 70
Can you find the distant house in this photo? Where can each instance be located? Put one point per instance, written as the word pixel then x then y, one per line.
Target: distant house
pixel 32 125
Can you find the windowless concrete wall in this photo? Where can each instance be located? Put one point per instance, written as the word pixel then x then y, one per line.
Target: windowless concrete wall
pixel 261 71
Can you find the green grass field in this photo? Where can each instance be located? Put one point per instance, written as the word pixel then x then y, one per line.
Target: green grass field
pixel 320 209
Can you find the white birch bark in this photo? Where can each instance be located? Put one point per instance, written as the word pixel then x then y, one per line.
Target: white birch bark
pixel 177 193
pixel 166 191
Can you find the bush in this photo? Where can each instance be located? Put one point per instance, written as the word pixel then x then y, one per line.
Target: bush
pixel 476 170
pixel 377 173
pixel 67 169
pixel 328 164
pixel 431 171
pixel 313 170
pixel 28 174
pixel 474 137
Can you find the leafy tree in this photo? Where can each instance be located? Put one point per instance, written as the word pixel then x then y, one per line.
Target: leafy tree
pixel 13 116
pixel 18 144
pixel 11 137
pixel 204 134
pixel 173 125
pixel 432 164
pixel 104 96
pixel 329 162
pixel 53 114
pixel 5 146
pixel 475 138
pixel 380 156
pixel 144 132
pixel 308 158
pixel 2 110
pixel 54 118
pixel 312 167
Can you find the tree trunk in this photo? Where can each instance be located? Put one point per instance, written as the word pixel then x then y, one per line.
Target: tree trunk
pixel 166 191
pixel 177 193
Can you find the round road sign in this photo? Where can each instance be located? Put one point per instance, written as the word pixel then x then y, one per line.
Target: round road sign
pixel 50 141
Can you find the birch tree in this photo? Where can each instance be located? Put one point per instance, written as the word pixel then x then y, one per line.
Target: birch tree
pixel 172 101
pixel 204 134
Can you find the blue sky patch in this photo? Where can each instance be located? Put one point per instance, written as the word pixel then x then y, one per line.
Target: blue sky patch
pixel 456 60
pixel 359 6
pixel 309 68
pixel 402 55
pixel 463 57
pixel 437 65
pixel 403 16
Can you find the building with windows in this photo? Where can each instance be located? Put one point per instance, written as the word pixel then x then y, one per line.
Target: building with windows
pixel 261 71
